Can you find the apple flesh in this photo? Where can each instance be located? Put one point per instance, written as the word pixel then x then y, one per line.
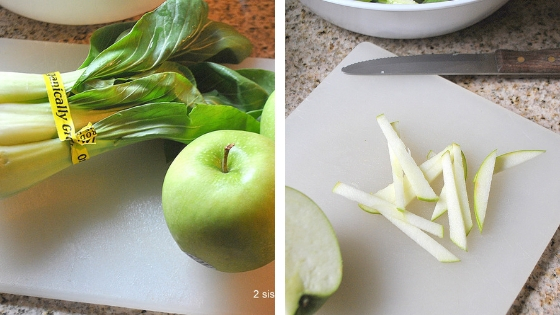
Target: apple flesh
pixel 387 209
pixel 412 231
pixel 417 180
pixel 414 181
pixel 398 175
pixel 221 211
pixel 459 169
pixel 481 190
pixel 441 205
pixel 457 232
pixel 431 170
pixel 313 259
pixel 513 158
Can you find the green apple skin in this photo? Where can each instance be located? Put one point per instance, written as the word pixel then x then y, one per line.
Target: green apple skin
pixel 268 118
pixel 300 303
pixel 223 220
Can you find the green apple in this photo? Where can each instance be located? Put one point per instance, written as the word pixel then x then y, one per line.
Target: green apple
pixel 218 200
pixel 313 259
pixel 268 117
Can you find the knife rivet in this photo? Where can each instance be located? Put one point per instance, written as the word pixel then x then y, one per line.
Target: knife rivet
pixel 551 59
pixel 520 59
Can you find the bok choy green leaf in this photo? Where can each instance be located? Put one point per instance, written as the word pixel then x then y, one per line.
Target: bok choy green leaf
pixel 222 85
pixel 182 33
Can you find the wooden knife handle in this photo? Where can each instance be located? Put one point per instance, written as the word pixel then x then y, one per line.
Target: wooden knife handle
pixel 537 61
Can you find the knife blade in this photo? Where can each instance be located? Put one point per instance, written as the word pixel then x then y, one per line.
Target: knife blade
pixel 501 62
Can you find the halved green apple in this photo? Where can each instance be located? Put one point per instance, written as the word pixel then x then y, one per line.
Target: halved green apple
pixel 313 258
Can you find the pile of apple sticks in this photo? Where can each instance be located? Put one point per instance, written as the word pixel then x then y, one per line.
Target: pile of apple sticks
pixel 412 181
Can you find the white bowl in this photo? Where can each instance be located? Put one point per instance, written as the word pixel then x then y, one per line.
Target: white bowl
pixel 403 21
pixel 79 12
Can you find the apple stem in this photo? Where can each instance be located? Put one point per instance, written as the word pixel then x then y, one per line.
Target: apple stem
pixel 226 153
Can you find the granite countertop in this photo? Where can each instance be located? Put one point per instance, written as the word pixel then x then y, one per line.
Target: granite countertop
pixel 314 47
pixel 253 18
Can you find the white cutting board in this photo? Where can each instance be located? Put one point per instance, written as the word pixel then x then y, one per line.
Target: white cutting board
pixel 104 239
pixel 333 136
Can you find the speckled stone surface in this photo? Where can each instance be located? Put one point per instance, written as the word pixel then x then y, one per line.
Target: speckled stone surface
pixel 314 47
pixel 253 18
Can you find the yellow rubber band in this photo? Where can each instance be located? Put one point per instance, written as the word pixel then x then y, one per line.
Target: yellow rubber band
pixel 63 120
pixel 79 153
pixel 59 105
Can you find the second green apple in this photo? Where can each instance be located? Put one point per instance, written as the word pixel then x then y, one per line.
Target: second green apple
pixel 218 200
pixel 268 118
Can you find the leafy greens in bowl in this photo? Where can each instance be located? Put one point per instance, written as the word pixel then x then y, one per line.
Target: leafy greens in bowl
pixel 403 21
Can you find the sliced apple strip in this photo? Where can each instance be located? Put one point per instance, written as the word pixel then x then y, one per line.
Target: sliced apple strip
pixel 430 154
pixel 464 160
pixel 424 224
pixel 459 169
pixel 431 169
pixel 483 179
pixel 370 203
pixel 398 181
pixel 481 190
pixel 441 205
pixel 424 240
pixel 416 220
pixel 514 158
pixel 418 182
pixel 398 174
pixel 457 232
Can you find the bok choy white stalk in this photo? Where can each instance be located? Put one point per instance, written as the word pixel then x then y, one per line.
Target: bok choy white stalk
pixel 23 165
pixel 27 87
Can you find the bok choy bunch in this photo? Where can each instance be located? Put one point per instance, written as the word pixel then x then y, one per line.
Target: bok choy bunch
pixel 160 77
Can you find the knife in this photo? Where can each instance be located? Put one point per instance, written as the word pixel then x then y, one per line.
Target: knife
pixel 501 62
